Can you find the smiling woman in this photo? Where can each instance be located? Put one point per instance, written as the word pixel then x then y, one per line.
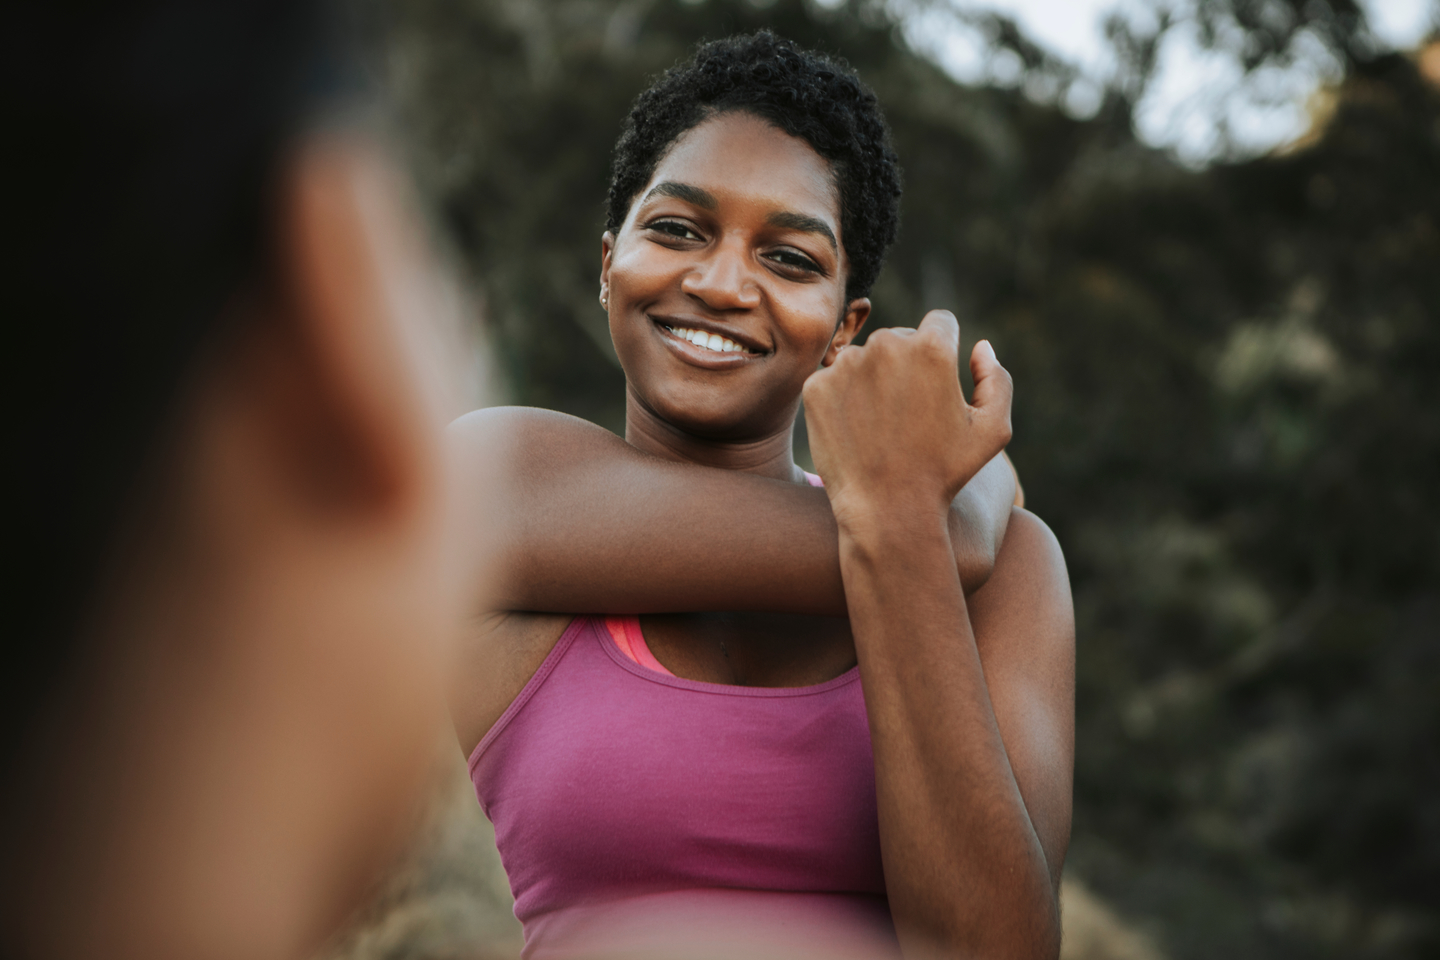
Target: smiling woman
pixel 743 216
pixel 665 778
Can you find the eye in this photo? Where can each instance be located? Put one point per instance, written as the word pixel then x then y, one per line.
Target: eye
pixel 793 260
pixel 674 228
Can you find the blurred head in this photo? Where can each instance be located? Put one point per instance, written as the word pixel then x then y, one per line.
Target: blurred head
pixel 754 195
pixel 235 591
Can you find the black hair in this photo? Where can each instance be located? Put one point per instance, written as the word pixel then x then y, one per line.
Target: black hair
pixel 808 95
pixel 146 135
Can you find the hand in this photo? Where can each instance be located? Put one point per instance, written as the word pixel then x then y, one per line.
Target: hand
pixel 889 426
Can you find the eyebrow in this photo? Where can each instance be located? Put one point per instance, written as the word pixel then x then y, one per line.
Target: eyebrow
pixel 805 224
pixel 683 191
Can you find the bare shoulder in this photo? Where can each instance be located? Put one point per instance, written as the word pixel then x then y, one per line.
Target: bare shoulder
pixel 1030 578
pixel 1030 543
pixel 499 657
pixel 522 429
pixel 508 417
pixel 518 456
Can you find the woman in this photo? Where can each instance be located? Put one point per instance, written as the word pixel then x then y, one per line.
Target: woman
pixel 687 776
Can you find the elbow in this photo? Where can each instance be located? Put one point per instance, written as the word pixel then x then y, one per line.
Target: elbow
pixel 1035 934
pixel 975 555
pixel 1025 928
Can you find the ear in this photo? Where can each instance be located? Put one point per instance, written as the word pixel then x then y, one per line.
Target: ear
pixel 607 247
pixel 848 329
pixel 347 398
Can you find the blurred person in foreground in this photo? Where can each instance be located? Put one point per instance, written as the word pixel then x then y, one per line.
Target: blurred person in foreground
pixel 230 592
pixel 775 780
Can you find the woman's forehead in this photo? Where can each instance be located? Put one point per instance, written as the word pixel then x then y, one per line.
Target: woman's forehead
pixel 740 157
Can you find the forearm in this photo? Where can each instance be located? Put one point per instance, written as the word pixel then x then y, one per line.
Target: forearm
pixel 964 867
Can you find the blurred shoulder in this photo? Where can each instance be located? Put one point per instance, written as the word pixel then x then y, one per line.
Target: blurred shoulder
pixel 491 422
pixel 520 435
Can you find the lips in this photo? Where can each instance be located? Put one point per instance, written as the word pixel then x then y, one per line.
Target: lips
pixel 705 338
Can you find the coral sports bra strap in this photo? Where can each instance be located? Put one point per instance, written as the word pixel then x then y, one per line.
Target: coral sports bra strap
pixel 628 636
pixel 626 633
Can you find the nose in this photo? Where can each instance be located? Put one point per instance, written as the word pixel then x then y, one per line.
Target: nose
pixel 723 281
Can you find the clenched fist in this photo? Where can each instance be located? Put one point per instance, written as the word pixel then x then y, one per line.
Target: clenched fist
pixel 889 426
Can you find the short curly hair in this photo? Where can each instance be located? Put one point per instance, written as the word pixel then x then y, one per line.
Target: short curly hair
pixel 807 95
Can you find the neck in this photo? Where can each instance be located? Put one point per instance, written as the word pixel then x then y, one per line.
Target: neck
pixel 771 454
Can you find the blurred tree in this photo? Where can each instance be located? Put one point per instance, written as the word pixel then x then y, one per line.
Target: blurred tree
pixel 1228 407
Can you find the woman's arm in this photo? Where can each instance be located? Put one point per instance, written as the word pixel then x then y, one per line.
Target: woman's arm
pixel 587 522
pixel 970 703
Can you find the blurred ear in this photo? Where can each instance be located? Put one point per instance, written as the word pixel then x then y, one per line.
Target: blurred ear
pixel 848 329
pixel 339 375
pixel 607 248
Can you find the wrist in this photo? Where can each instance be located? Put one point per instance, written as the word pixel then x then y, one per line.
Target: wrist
pixel 891 525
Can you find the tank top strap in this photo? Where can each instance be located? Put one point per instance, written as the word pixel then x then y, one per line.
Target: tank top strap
pixel 557 653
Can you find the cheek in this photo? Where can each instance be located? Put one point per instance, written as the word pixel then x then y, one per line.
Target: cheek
pixel 811 319
pixel 636 271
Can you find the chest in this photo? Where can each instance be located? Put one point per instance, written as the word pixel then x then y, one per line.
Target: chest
pixel 614 782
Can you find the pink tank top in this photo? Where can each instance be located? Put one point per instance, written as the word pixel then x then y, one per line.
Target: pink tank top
pixel 636 811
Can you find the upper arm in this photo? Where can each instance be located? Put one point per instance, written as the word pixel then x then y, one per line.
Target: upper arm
pixel 576 519
pixel 1024 623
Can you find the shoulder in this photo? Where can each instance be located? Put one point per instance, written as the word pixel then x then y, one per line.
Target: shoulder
pixel 510 423
pixel 528 441
pixel 489 419
pixel 1025 609
pixel 1031 545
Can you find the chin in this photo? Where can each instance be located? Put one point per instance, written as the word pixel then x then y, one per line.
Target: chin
pixel 710 412
pixel 708 427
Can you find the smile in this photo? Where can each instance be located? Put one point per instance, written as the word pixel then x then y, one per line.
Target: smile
pixel 712 342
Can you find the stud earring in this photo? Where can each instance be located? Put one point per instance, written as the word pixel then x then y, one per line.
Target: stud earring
pixel 604 300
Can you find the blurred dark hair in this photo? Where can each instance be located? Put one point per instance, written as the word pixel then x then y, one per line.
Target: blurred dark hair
pixel 144 139
pixel 807 95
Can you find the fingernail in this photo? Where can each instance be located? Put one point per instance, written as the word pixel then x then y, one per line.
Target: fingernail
pixel 988 348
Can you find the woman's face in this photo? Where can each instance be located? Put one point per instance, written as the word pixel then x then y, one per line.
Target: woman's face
pixel 726 284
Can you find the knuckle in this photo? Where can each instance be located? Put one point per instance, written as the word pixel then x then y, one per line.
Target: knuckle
pixel 934 349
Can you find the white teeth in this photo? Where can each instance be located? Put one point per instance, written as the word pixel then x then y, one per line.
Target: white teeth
pixel 708 341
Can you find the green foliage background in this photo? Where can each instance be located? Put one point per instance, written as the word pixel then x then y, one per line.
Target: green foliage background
pixel 1227 409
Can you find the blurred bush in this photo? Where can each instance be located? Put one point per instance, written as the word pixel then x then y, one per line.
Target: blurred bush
pixel 1228 408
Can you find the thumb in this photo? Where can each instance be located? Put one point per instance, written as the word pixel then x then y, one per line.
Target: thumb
pixel 994 389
